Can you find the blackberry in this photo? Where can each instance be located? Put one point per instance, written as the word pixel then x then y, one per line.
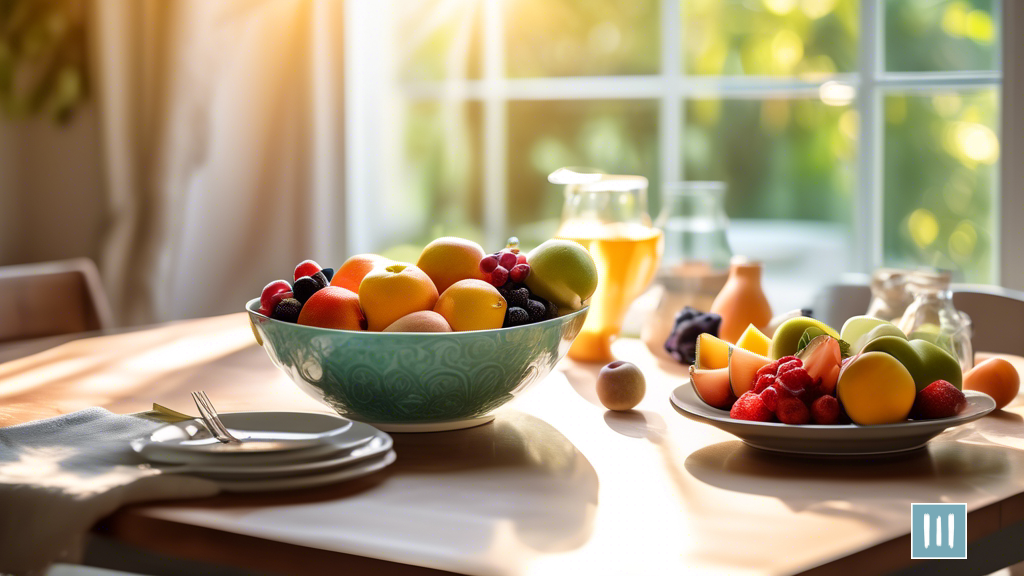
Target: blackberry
pixel 518 297
pixel 305 287
pixel 536 310
pixel 287 310
pixel 328 273
pixel 552 311
pixel 516 316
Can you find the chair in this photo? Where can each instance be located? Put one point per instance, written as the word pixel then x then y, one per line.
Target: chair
pixel 997 314
pixel 50 299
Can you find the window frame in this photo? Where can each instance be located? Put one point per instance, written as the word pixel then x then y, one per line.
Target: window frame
pixel 374 96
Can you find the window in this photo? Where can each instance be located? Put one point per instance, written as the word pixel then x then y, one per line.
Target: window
pixel 850 133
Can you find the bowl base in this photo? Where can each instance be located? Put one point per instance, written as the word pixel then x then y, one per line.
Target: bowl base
pixel 442 426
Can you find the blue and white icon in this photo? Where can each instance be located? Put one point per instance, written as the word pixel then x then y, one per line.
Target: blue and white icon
pixel 938 531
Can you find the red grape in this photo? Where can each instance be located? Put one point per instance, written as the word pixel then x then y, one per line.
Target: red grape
pixel 306 268
pixel 519 272
pixel 499 276
pixel 506 259
pixel 270 290
pixel 521 259
pixel 488 264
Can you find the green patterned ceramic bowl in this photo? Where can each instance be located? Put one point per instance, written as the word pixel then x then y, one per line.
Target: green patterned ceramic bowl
pixel 415 381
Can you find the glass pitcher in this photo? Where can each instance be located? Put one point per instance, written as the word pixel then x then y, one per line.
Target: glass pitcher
pixel 607 214
pixel 695 265
pixel 889 294
pixel 931 316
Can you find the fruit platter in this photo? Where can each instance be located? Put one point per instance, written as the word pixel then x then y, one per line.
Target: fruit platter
pixel 435 345
pixel 808 389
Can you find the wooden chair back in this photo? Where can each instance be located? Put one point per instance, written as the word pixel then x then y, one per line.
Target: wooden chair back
pixel 50 299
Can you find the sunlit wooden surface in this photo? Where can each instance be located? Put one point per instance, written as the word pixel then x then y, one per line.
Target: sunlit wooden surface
pixel 556 485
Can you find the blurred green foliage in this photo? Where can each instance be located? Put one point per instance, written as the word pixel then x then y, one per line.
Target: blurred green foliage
pixel 784 156
pixel 42 57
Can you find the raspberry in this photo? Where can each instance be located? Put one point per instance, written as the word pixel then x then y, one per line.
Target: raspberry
pixel 519 272
pixel 785 359
pixel 506 259
pixel 518 297
pixel 272 290
pixel 306 268
pixel 769 368
pixel 792 411
pixel 940 399
pixel 488 264
pixel 786 366
pixel 770 397
pixel 763 382
pixel 499 276
pixel 825 410
pixel 520 259
pixel 795 380
pixel 287 310
pixel 515 316
pixel 536 310
pixel 750 407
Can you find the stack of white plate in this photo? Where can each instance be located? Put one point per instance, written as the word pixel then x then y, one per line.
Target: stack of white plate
pixel 277 451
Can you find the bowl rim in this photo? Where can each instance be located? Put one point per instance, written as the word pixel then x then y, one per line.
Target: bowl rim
pixel 252 307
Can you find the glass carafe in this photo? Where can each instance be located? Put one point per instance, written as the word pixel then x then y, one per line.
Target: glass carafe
pixel 607 214
pixel 889 294
pixel 931 316
pixel 695 264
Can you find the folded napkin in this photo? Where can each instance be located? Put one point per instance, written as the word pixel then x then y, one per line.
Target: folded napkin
pixel 59 476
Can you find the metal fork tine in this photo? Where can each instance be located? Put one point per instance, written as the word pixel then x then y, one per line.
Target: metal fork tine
pixel 215 417
pixel 208 419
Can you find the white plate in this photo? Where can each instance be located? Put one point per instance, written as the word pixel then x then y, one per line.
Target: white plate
pixel 364 468
pixel 378 444
pixel 167 444
pixel 258 432
pixel 830 441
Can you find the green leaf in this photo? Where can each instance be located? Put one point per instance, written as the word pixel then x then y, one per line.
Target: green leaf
pixel 844 348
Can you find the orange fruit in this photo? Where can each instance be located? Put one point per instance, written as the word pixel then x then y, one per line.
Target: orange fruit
pixel 996 377
pixel 391 291
pixel 333 307
pixel 449 259
pixel 471 305
pixel 355 269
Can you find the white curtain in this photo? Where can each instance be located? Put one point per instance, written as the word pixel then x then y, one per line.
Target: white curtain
pixel 222 142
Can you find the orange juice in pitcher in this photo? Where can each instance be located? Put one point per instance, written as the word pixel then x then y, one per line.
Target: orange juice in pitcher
pixel 608 215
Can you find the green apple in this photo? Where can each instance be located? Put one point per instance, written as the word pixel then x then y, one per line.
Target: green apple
pixel 786 339
pixel 925 361
pixel 562 272
pixel 886 329
pixel 858 326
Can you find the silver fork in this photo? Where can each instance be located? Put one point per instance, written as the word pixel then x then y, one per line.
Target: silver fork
pixel 209 416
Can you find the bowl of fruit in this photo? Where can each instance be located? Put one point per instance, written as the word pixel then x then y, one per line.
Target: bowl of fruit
pixel 810 390
pixel 436 345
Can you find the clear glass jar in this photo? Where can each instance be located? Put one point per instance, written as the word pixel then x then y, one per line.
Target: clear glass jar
pixel 889 294
pixel 931 316
pixel 695 264
pixel 607 214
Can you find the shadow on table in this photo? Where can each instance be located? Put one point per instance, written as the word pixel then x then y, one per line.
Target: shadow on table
pixel 926 475
pixel 517 473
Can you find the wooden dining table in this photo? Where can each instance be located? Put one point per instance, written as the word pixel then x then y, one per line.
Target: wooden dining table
pixel 555 484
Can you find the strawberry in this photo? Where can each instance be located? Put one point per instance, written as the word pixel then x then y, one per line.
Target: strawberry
pixel 795 380
pixel 825 410
pixel 792 411
pixel 940 399
pixel 770 398
pixel 750 407
pixel 762 382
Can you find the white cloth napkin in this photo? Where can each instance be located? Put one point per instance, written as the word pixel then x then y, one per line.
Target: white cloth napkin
pixel 59 476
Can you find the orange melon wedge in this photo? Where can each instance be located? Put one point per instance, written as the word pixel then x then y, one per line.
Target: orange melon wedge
pixel 712 352
pixel 743 365
pixel 712 386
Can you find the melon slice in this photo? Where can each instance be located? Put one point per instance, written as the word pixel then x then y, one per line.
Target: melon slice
pixel 822 359
pixel 743 365
pixel 712 352
pixel 755 341
pixel 712 386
